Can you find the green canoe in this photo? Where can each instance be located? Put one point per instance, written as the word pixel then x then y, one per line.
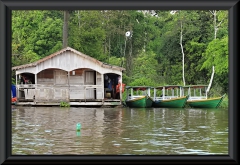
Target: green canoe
pixel 141 102
pixel 198 97
pixel 169 96
pixel 206 103
pixel 139 97
pixel 178 102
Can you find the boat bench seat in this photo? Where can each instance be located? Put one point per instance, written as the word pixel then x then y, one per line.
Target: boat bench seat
pixel 196 97
pixel 134 97
pixel 166 97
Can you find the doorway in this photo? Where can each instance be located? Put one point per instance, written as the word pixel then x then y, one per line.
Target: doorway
pixel 90 80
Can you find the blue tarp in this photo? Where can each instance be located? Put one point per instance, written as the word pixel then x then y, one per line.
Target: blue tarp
pixel 13 90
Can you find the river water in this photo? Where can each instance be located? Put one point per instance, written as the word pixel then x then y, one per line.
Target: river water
pixel 119 131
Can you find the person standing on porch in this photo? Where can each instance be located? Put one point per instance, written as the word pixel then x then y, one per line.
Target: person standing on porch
pixel 23 79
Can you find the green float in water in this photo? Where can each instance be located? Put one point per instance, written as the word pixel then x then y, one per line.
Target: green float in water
pixel 78 127
pixel 78 133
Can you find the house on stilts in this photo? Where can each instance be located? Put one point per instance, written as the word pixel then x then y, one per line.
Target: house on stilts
pixel 68 76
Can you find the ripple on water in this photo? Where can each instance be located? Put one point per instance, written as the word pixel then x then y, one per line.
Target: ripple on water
pixel 132 140
pixel 142 150
pixel 203 126
pixel 47 131
pixel 142 143
pixel 193 152
pixel 188 131
pixel 157 134
pixel 224 133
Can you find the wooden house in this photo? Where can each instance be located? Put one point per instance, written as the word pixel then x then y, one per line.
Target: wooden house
pixel 68 76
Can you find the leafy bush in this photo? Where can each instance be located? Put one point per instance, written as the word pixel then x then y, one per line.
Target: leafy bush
pixel 64 104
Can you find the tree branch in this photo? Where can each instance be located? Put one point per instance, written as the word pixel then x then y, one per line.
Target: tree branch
pixel 220 23
pixel 211 12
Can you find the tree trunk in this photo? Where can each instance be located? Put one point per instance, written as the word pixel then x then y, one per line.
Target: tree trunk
pixel 181 36
pixel 215 23
pixel 210 83
pixel 65 28
pixel 78 19
pixel 124 52
pixel 109 48
pixel 129 60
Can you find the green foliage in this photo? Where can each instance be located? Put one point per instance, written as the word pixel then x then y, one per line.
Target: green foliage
pixel 27 57
pixel 37 31
pixel 145 70
pixel 193 61
pixel 64 104
pixel 217 54
pixel 142 81
pixel 115 61
pixel 87 34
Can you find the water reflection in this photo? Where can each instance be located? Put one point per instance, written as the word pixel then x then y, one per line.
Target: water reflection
pixel 160 131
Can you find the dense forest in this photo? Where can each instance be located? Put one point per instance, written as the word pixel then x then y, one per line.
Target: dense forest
pixel 164 47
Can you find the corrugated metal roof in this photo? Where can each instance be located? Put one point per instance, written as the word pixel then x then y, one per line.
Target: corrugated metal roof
pixel 61 51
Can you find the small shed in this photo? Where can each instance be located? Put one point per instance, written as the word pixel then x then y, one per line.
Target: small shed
pixel 68 76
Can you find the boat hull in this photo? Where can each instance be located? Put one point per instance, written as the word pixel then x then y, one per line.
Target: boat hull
pixel 205 103
pixel 142 102
pixel 171 103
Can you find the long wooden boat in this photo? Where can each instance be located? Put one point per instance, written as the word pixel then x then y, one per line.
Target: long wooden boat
pixel 198 97
pixel 138 97
pixel 172 99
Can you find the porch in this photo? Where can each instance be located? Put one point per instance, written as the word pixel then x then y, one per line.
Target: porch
pixel 53 95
